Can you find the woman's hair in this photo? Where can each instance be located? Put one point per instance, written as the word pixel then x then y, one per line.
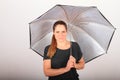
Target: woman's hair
pixel 53 46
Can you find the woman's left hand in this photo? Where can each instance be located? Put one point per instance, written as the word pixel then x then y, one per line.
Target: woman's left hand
pixel 72 59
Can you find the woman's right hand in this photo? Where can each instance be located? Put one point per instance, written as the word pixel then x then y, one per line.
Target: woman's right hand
pixel 70 63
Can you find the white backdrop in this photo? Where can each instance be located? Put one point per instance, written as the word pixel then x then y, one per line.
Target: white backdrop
pixel 19 62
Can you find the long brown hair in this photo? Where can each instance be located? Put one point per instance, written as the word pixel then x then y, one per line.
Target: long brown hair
pixel 53 46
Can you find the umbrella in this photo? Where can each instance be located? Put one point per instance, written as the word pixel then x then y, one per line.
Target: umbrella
pixel 86 26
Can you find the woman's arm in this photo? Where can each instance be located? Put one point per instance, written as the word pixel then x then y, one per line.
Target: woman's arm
pixel 54 72
pixel 80 64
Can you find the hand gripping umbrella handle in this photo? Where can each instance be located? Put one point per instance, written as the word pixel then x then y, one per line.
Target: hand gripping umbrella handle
pixel 71 55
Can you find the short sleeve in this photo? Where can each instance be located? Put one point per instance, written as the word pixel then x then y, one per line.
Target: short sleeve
pixel 76 51
pixel 45 53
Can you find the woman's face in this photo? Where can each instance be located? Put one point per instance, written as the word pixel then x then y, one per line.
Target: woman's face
pixel 60 32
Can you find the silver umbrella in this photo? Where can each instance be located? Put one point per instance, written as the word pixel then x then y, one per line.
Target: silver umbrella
pixel 86 25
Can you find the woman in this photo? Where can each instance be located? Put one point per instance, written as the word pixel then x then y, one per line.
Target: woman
pixel 58 63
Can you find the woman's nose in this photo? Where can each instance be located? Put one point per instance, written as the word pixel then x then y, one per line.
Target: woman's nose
pixel 60 33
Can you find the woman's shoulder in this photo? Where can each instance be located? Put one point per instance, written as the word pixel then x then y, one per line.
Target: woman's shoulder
pixel 46 48
pixel 74 43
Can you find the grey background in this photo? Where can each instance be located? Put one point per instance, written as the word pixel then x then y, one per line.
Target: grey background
pixel 19 62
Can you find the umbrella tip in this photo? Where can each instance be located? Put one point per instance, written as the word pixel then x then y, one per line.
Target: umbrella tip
pixel 58 5
pixel 94 6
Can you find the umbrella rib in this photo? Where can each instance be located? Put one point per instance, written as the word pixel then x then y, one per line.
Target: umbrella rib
pixel 65 12
pixel 85 32
pixel 94 41
pixel 94 23
pixel 80 14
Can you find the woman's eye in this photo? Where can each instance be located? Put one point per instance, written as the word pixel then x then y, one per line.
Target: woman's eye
pixel 57 31
pixel 63 31
pixel 60 32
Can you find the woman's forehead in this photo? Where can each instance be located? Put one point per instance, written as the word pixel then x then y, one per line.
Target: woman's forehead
pixel 60 27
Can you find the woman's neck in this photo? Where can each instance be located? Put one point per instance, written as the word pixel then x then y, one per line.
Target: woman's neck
pixel 63 44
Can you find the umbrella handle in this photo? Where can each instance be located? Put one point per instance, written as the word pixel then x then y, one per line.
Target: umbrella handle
pixel 71 55
pixel 70 48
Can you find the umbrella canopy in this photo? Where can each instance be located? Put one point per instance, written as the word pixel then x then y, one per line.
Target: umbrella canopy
pixel 86 26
